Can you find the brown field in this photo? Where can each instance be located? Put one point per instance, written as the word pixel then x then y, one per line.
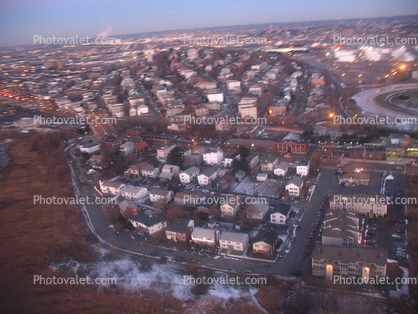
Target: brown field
pixel 32 237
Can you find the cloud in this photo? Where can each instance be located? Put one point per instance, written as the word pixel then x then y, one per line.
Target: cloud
pixel 105 33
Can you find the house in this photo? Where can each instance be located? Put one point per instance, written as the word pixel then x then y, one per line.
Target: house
pixel 230 158
pixel 281 169
pixel 135 170
pixel 96 162
pixel 329 261
pixel 280 214
pixel 233 241
pixel 150 223
pixel 204 236
pixel 213 156
pixel 230 206
pixel 169 171
pixel 253 161
pixel 294 186
pixel 188 175
pixel 257 211
pixel 262 176
pixel 150 171
pixel 207 176
pixel 131 192
pixel 303 168
pixel 265 242
pixel 268 163
pixel 180 230
pixel 240 175
pixel 141 147
pixel 160 194
pixel 127 148
pixel 185 198
pixel 162 152
pixel 110 187
pixel 128 209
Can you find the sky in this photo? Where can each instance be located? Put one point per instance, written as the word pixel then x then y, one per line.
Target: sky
pixel 21 20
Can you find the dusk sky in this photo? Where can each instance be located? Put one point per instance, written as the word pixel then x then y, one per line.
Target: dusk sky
pixel 20 20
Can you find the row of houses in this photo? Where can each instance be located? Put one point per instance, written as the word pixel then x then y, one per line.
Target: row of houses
pixel 340 254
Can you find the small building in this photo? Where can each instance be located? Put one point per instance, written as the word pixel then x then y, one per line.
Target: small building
pixel 207 177
pixel 268 163
pixel 294 186
pixel 169 172
pixel 150 223
pixel 280 214
pixel 231 205
pixel 141 147
pixel 204 236
pixel 281 169
pixel 303 168
pixel 187 199
pixel 160 194
pixel 233 241
pixel 150 171
pixel 110 187
pixel 265 243
pixel 213 156
pixel 180 230
pixel 188 175
pixel 134 193
pixel 262 176
pixel 128 209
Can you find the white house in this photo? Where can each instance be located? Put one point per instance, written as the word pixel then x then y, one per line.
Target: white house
pixel 150 171
pixel 110 187
pixel 294 186
pixel 213 156
pixel 262 176
pixel 205 236
pixel 233 241
pixel 280 214
pixel 189 174
pixel 207 176
pixel 229 159
pixel 230 206
pixel 303 168
pixel 151 223
pixel 160 194
pixel 131 192
pixel 281 169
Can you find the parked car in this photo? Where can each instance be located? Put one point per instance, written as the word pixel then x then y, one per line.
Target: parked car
pixel 180 259
pixel 192 261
